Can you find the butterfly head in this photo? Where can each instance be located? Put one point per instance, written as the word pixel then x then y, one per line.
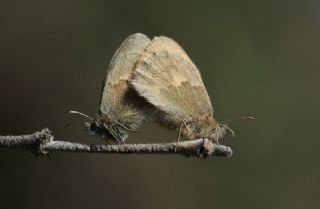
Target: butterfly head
pixel 109 131
pixel 220 131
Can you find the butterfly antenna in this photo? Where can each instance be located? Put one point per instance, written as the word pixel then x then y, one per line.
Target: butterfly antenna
pixel 239 118
pixel 71 123
pixel 82 114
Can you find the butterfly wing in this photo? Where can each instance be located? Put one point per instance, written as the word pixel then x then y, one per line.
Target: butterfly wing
pixel 167 78
pixel 118 102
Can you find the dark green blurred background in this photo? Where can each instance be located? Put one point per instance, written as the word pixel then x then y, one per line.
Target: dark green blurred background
pixel 258 58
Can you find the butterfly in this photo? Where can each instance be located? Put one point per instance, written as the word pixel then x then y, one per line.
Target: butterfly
pixel 168 79
pixel 121 108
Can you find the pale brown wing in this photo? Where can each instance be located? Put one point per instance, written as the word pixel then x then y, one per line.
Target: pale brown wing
pixel 113 103
pixel 167 78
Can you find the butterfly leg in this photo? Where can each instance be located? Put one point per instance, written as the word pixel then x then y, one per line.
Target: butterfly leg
pixel 216 141
pixel 179 136
pixel 113 134
pixel 185 125
pixel 118 140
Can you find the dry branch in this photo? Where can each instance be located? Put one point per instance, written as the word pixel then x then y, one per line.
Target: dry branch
pixel 42 143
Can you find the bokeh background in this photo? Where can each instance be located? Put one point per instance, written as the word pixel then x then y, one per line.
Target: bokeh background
pixel 257 58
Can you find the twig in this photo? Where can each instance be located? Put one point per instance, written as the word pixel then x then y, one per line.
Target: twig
pixel 42 143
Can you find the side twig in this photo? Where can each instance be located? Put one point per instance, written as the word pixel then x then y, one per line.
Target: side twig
pixel 42 143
